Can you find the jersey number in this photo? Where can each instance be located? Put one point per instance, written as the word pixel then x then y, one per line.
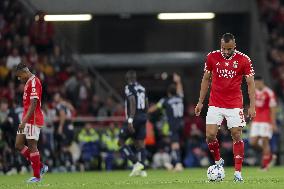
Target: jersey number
pixel 242 116
pixel 177 109
pixel 140 101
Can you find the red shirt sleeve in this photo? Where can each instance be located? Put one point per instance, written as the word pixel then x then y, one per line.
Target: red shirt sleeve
pixel 272 100
pixel 248 68
pixel 35 88
pixel 208 63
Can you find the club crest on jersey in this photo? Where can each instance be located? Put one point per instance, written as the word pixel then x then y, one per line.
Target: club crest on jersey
pixel 235 64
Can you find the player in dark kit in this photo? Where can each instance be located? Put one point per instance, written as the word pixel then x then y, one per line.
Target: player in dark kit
pixel 135 128
pixel 174 109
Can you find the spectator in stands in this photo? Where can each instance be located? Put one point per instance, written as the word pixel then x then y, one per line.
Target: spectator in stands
pixel 47 136
pixel 72 87
pixel 41 33
pixel 112 157
pixel 13 59
pixel 161 159
pixel 25 45
pixel 45 67
pixel 4 72
pixel 108 109
pixel 119 112
pixel 57 59
pixel 95 105
pixel 32 56
pixel 89 145
pixel 195 151
pixel 86 90
pixel 6 122
pixel 2 23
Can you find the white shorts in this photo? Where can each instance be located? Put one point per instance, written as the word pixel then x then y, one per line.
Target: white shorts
pixel 234 116
pixel 31 132
pixel 261 129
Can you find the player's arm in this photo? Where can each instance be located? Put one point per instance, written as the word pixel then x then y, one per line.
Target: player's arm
pixel 62 119
pixel 273 110
pixel 147 104
pixel 69 106
pixel 156 106
pixel 30 112
pixel 251 92
pixel 153 108
pixel 179 86
pixel 273 118
pixel 203 91
pixel 132 111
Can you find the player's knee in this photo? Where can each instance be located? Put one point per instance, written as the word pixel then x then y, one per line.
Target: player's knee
pixel 32 147
pixel 237 136
pixel 19 146
pixel 265 142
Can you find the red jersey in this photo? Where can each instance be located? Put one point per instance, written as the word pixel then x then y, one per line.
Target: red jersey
pixel 227 75
pixel 33 90
pixel 264 100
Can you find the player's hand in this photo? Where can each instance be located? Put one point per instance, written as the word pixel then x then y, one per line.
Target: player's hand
pixel 274 127
pixel 21 127
pixel 176 78
pixel 131 128
pixel 198 109
pixel 60 130
pixel 251 112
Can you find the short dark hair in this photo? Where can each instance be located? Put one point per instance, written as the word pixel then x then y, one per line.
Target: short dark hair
pixel 258 77
pixel 21 66
pixel 227 37
pixel 172 89
pixel 131 75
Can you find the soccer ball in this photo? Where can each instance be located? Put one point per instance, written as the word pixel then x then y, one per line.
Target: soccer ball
pixel 215 173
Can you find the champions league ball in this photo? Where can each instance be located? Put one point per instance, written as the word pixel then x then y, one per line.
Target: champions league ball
pixel 215 173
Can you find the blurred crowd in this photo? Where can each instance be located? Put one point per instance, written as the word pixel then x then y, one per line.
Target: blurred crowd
pixel 29 39
pixel 272 16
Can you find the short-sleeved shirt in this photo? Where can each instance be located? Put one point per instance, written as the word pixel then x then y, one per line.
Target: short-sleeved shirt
pixel 139 92
pixel 264 100
pixel 33 90
pixel 61 107
pixel 174 109
pixel 227 75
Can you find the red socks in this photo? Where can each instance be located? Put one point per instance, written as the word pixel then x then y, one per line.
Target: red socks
pixel 35 162
pixel 266 158
pixel 214 149
pixel 26 153
pixel 238 150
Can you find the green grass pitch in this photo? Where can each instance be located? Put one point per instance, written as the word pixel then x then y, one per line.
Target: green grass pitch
pixel 157 179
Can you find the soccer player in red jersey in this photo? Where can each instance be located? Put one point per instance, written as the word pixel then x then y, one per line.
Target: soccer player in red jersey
pixel 226 68
pixel 32 121
pixel 264 123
